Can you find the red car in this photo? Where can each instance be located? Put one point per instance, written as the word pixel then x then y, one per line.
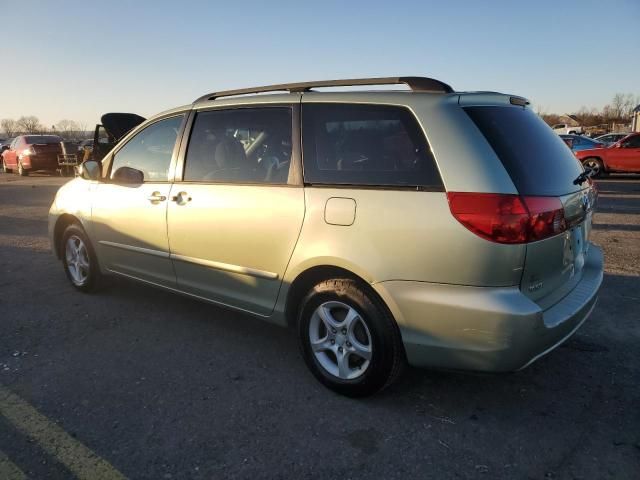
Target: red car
pixel 622 156
pixel 32 152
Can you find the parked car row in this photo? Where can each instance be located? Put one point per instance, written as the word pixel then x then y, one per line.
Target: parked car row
pixel 610 153
pixel 28 153
pixel 622 156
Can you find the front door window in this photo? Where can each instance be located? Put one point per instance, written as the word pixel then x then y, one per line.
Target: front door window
pixel 150 150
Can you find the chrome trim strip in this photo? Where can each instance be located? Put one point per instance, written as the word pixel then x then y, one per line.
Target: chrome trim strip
pixel 146 251
pixel 226 267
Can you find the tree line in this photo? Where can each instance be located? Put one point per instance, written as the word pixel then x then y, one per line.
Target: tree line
pixel 619 111
pixel 68 129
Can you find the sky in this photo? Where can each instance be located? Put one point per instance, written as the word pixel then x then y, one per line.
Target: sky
pixel 79 59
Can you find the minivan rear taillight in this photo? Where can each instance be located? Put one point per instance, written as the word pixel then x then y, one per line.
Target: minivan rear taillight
pixel 504 218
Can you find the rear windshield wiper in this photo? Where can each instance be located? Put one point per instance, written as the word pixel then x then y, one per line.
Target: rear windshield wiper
pixel 580 179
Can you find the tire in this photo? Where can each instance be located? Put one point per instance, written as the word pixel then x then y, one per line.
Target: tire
pixel 79 259
pixel 596 166
pixel 4 167
pixel 339 316
pixel 21 171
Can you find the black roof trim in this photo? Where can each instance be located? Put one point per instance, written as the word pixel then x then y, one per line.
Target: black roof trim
pixel 416 84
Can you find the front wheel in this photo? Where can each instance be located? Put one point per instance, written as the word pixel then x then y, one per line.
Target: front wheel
pixel 348 339
pixel 21 171
pixel 79 259
pixel 4 167
pixel 595 165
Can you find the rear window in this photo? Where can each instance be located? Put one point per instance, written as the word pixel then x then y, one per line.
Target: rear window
pixel 536 158
pixel 42 139
pixel 369 145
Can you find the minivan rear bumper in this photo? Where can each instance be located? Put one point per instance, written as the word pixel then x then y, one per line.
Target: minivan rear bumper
pixel 485 328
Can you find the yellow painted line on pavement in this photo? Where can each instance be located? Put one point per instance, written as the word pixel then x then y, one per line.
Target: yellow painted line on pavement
pixel 77 458
pixel 9 470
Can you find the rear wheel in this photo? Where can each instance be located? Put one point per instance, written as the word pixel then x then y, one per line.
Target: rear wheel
pixel 79 259
pixel 595 165
pixel 21 171
pixel 349 340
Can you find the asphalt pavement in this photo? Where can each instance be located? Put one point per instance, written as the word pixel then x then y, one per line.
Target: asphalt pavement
pixel 134 382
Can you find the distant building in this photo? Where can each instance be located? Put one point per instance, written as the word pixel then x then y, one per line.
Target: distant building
pixel 635 119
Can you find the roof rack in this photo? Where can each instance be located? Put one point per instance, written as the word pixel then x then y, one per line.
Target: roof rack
pixel 416 84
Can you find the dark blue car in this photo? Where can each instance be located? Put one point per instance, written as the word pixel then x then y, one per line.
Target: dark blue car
pixel 579 142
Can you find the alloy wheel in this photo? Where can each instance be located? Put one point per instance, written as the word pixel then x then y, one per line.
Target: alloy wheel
pixel 340 340
pixel 77 259
pixel 594 166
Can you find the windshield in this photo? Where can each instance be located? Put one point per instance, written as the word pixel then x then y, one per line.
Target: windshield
pixel 536 158
pixel 42 139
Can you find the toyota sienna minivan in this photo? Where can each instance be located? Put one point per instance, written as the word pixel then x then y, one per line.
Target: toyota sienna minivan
pixel 425 226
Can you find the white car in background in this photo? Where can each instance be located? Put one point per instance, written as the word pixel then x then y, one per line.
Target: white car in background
pixel 565 129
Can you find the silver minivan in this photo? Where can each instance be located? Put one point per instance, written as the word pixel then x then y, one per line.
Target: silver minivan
pixel 444 229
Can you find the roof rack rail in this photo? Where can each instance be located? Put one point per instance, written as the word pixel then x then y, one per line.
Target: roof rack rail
pixel 416 84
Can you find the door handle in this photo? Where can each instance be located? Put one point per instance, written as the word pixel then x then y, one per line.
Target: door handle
pixel 181 198
pixel 156 197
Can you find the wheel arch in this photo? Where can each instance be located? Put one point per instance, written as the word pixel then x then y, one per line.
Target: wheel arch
pixel 62 223
pixel 311 276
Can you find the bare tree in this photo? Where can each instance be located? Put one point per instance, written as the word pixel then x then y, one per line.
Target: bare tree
pixel 9 127
pixel 67 129
pixel 29 124
pixel 82 130
pixel 630 102
pixel 617 105
pixel 618 111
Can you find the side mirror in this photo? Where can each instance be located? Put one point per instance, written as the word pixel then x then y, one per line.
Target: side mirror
pixel 90 170
pixel 127 176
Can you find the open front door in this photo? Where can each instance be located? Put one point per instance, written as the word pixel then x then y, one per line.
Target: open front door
pixel 114 126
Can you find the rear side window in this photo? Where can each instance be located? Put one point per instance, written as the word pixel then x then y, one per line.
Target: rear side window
pixel 366 145
pixel 244 145
pixel 633 142
pixel 536 158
